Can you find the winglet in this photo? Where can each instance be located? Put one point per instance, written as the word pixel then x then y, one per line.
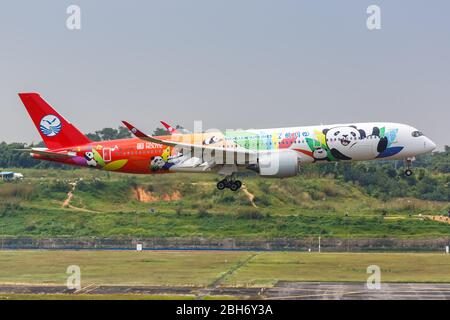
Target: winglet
pixel 138 133
pixel 169 128
pixel 179 144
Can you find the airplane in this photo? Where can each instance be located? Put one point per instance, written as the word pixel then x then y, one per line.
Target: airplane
pixel 275 153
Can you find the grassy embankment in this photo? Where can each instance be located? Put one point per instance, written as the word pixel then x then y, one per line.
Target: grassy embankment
pixel 185 205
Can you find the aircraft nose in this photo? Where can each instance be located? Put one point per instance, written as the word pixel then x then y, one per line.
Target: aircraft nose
pixel 430 145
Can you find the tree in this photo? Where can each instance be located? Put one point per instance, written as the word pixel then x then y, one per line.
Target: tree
pixel 161 132
pixel 109 134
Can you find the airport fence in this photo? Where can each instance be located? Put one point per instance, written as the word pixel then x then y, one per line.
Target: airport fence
pixel 197 243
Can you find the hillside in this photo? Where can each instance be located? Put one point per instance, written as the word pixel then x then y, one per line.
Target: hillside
pixel 75 203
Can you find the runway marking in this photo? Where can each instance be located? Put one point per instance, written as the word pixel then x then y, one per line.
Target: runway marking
pixel 85 290
pixel 90 290
pixel 345 291
pixel 340 294
pixel 388 291
pixel 432 290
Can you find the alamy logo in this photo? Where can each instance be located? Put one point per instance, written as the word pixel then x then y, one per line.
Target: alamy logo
pixel 50 125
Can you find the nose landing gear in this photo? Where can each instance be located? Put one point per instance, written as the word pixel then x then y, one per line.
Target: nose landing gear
pixel 230 183
pixel 408 165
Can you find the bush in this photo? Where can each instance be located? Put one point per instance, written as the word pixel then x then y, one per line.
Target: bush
pixel 227 199
pixel 317 195
pixel 330 189
pixel 8 208
pixel 264 187
pixel 202 212
pixel 92 186
pixel 262 201
pixel 59 186
pixel 250 213
pixel 17 191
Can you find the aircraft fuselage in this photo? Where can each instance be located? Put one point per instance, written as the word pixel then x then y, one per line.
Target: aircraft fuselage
pixel 324 143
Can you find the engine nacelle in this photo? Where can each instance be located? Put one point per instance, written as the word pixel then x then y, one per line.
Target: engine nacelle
pixel 281 164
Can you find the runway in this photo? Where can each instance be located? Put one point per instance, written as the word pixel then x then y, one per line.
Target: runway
pixel 358 291
pixel 281 291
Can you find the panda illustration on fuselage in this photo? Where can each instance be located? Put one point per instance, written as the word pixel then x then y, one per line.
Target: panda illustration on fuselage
pixel 157 163
pixel 211 140
pixel 90 161
pixel 319 154
pixel 346 143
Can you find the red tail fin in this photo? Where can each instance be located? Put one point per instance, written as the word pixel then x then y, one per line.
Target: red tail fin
pixel 56 131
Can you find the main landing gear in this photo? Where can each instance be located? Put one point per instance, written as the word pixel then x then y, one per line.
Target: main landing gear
pixel 230 183
pixel 408 165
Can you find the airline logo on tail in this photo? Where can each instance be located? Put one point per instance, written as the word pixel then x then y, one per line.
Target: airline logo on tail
pixel 54 129
pixel 50 125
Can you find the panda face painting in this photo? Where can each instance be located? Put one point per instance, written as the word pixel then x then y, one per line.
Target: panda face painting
pixel 89 156
pixel 320 154
pixel 345 136
pixel 349 142
pixel 157 163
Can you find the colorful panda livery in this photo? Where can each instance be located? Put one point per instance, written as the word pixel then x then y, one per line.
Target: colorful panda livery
pixel 351 143
pixel 90 161
pixel 270 152
pixel 164 162
pixel 157 163
pixel 320 154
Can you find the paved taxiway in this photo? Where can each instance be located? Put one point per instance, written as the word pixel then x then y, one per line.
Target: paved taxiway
pixel 282 290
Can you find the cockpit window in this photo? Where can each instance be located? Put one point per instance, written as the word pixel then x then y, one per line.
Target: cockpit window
pixel 416 134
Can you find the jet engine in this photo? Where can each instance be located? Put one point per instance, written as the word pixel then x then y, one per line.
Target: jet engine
pixel 281 164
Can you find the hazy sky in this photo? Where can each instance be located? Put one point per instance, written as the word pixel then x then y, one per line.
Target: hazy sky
pixel 231 63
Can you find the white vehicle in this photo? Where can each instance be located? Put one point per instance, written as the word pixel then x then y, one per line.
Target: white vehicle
pixel 17 176
pixel 11 176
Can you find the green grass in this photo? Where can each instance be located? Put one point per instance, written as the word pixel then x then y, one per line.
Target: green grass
pixel 96 297
pixel 201 269
pixel 38 222
pixel 117 268
pixel 268 268
pixel 104 205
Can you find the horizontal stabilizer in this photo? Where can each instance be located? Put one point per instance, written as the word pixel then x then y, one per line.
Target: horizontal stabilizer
pixel 49 154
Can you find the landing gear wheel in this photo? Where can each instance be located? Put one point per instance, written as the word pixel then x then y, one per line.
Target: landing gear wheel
pixel 408 165
pixel 230 183
pixel 234 186
pixel 221 185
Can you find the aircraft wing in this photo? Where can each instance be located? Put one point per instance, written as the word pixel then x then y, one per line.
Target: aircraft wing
pixel 214 148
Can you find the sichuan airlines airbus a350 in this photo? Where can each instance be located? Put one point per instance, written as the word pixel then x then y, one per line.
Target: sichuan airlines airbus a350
pixel 277 153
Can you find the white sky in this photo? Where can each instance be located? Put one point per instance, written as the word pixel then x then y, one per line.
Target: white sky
pixel 232 64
